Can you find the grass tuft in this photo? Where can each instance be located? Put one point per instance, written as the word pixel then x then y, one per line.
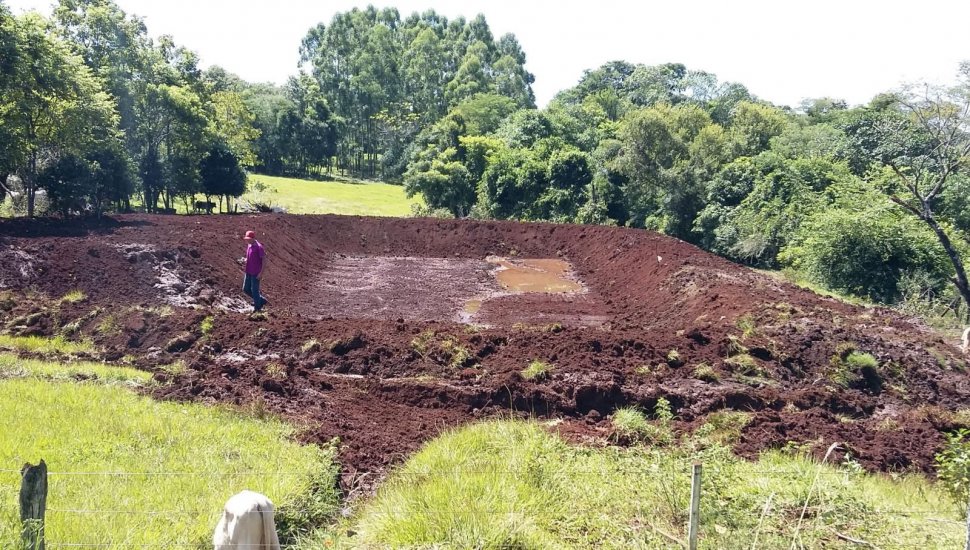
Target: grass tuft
pixel 706 373
pixel 310 346
pixel 537 370
pixel 74 297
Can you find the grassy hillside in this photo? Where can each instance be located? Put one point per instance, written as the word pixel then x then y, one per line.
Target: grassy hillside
pixel 174 464
pixel 329 197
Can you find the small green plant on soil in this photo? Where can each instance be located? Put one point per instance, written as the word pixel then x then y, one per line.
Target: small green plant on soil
pixel 734 346
pixel 421 343
pixel 455 353
pixel 744 364
pixel 72 328
pixel 537 370
pixel 850 367
pixel 109 326
pixel 953 466
pixel 206 325
pixel 887 424
pixel 747 325
pixel 176 368
pixel 722 427
pixel 939 357
pixel 276 371
pixel 642 370
pixel 310 346
pixel 553 327
pixel 673 358
pixel 630 424
pixel 706 373
pixel 74 297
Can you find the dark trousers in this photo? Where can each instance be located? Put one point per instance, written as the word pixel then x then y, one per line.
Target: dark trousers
pixel 251 288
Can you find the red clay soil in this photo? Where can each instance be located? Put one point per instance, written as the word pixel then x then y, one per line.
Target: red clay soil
pixel 363 338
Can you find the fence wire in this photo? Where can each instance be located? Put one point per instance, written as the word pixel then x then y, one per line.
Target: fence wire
pixel 820 511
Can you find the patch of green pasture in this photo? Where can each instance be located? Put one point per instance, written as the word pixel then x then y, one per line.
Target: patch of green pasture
pixel 329 197
pixel 12 366
pixel 44 345
pixel 130 472
pixel 504 484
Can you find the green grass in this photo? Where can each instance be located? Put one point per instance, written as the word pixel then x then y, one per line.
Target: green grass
pixel 44 346
pixel 504 484
pixel 315 197
pixel 12 366
pixel 207 325
pixel 631 424
pixel 537 370
pixel 204 456
pixel 74 296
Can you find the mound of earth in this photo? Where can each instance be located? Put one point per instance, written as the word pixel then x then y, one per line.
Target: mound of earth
pixel 382 332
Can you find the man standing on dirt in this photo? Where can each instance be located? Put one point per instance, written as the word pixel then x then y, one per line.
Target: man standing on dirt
pixel 254 267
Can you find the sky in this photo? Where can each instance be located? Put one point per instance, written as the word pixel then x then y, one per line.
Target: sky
pixel 784 51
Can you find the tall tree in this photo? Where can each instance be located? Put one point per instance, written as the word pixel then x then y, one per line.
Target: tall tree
pixel 927 149
pixel 54 106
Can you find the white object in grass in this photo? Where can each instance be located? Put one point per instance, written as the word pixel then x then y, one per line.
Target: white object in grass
pixel 247 523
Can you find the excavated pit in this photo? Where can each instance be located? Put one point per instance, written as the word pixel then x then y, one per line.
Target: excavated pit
pixel 383 332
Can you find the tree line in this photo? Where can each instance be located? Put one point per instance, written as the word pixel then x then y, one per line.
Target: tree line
pixel 869 200
pixel 93 111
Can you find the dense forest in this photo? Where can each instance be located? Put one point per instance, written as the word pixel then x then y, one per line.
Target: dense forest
pixel 870 200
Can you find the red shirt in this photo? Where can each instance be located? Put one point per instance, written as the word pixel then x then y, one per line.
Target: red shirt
pixel 254 258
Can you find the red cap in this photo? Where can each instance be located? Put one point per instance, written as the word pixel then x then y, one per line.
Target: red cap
pixel 250 235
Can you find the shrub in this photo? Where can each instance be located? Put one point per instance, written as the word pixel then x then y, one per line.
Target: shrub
pixel 866 252
pixel 953 465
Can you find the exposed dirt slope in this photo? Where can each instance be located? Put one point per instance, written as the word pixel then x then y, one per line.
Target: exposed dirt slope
pixel 362 339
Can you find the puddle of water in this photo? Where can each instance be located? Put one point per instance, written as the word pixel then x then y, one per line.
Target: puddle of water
pixel 534 275
pixel 472 306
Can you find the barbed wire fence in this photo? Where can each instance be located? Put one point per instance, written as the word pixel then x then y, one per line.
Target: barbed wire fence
pixel 34 509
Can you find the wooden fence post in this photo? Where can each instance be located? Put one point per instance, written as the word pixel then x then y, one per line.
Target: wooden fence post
pixel 33 504
pixel 695 507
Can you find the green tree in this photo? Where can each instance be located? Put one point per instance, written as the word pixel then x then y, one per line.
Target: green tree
pixel 866 251
pixel 232 122
pixel 222 174
pixel 569 176
pixel 664 190
pixel 927 150
pixel 53 107
pixel 752 127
